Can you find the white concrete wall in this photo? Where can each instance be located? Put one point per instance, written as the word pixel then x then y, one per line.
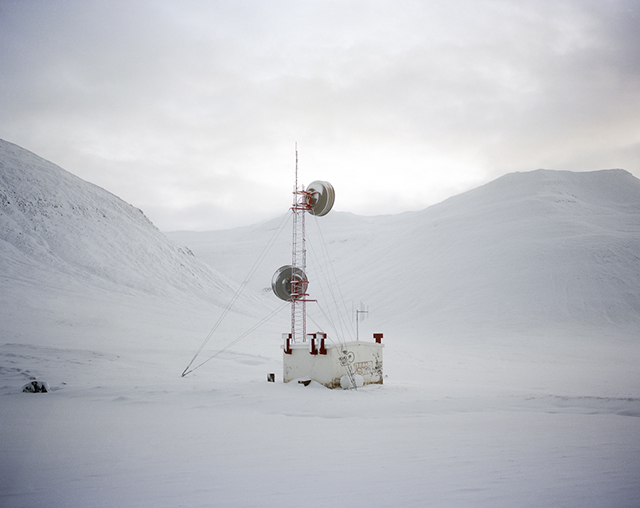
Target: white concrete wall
pixel 365 359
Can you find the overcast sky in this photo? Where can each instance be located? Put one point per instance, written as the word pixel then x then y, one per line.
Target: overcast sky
pixel 190 110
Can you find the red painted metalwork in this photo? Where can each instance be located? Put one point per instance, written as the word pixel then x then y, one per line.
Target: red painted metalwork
pixel 301 204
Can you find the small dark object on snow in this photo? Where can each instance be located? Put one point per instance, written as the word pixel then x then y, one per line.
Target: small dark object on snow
pixel 271 377
pixel 36 387
pixel 305 382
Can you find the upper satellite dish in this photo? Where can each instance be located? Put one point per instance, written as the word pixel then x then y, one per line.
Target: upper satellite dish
pixel 281 283
pixel 322 197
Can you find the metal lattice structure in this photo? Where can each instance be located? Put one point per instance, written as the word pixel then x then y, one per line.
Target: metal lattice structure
pixel 299 284
pixel 290 282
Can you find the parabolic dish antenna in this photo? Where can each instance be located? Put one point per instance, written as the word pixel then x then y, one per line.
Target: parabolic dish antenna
pixel 322 197
pixel 281 282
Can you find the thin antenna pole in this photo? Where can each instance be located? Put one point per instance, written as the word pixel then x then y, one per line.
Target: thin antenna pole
pixel 295 189
pixel 358 312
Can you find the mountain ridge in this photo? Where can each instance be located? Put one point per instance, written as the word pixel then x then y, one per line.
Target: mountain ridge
pixel 533 250
pixel 53 220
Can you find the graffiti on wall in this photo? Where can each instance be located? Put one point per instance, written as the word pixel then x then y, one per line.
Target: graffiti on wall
pixel 369 368
pixel 363 368
pixel 347 357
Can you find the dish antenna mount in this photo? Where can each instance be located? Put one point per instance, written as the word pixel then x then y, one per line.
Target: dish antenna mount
pixel 290 282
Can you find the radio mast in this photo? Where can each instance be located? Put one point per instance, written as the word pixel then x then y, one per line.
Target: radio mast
pixel 290 282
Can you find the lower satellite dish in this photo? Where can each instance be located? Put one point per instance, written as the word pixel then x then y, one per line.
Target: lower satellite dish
pixel 322 197
pixel 281 283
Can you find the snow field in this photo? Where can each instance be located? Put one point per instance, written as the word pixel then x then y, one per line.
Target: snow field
pixel 225 437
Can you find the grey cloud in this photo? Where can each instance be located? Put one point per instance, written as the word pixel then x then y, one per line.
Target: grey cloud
pixel 174 97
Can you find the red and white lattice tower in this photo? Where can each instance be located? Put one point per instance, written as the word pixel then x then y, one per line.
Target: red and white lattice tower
pixel 290 282
pixel 301 204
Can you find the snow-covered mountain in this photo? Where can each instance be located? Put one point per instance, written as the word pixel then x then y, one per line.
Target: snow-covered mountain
pixel 56 225
pixel 529 250
pixel 532 251
pixel 511 353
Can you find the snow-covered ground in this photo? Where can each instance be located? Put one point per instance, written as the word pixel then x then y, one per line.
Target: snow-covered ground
pixel 512 353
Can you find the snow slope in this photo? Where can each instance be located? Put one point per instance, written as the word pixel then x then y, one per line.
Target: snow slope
pixel 510 318
pixel 531 251
pixel 54 220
